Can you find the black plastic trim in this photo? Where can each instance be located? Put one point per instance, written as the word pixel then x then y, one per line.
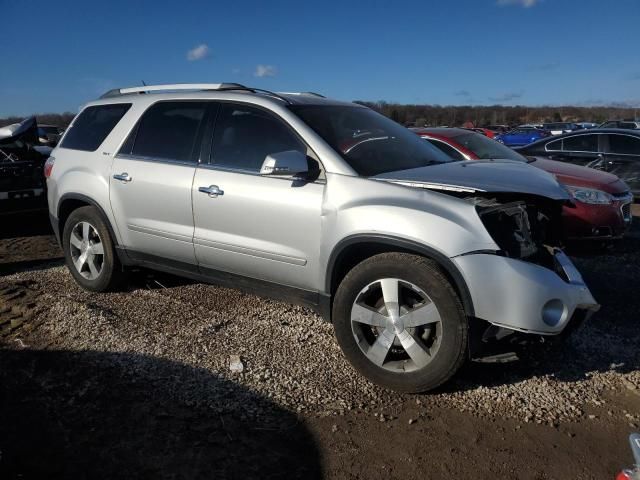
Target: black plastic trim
pixel 404 244
pixel 263 288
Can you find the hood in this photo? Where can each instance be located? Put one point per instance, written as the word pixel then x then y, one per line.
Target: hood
pixel 578 176
pixel 27 131
pixel 481 176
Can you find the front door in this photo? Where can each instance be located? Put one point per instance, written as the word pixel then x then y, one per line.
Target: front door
pixel 263 227
pixel 151 180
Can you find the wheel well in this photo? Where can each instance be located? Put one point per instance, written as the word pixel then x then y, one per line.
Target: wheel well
pixel 354 253
pixel 66 208
pixel 71 203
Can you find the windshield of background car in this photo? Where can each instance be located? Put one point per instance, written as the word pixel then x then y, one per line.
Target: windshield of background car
pixel 486 148
pixel 369 142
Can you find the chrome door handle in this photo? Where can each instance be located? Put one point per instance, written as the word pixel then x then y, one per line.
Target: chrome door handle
pixel 212 190
pixel 123 177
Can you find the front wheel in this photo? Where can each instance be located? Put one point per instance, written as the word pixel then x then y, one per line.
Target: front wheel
pixel 400 323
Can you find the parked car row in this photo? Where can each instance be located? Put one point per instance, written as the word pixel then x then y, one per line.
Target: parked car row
pixel 601 207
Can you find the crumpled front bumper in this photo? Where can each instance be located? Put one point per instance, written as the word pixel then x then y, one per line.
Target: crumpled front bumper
pixel 524 296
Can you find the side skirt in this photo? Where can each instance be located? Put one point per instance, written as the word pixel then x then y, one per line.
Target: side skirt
pixel 318 302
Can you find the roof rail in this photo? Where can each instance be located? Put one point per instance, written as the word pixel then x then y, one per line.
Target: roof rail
pixel 172 87
pixel 116 92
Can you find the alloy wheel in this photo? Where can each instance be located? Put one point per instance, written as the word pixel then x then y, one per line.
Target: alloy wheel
pixel 396 325
pixel 87 250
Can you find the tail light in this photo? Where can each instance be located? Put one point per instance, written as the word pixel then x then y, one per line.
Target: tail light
pixel 48 166
pixel 623 476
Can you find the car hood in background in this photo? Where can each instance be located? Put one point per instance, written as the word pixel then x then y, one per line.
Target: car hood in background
pixel 578 176
pixel 481 176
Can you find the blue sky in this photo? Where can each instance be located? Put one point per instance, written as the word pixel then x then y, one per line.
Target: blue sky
pixel 58 55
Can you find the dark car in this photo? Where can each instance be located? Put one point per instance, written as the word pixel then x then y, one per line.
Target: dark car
pixel 521 136
pixel 626 124
pixel 615 151
pixel 602 203
pixel 22 161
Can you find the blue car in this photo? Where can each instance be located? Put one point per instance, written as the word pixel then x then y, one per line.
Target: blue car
pixel 521 136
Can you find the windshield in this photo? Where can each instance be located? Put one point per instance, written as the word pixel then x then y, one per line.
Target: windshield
pixel 369 142
pixel 486 148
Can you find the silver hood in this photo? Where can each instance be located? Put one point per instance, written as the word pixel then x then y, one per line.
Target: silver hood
pixel 481 176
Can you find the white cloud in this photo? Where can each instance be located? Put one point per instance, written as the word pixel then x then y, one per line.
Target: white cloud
pixel 198 53
pixel 265 71
pixel 522 3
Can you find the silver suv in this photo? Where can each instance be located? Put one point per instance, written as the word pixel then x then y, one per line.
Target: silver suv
pixel 414 258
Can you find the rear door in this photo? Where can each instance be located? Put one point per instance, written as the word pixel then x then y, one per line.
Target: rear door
pixel 623 158
pixel 150 185
pixel 265 227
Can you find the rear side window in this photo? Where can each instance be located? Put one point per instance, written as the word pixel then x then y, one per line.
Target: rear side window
pixel 581 143
pixel 92 126
pixel 167 131
pixel 624 144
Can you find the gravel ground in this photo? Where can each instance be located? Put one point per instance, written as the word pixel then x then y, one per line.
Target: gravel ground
pixel 292 364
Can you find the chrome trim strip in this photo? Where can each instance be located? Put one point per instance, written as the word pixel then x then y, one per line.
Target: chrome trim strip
pixel 431 186
pixel 249 251
pixel 159 233
pixel 141 158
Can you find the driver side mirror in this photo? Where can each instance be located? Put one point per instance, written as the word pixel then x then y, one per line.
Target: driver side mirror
pixel 289 163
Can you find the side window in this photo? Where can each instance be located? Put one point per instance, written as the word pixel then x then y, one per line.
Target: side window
pixel 167 130
pixel 555 146
pixel 245 135
pixel 92 126
pixel 447 149
pixel 581 143
pixel 624 144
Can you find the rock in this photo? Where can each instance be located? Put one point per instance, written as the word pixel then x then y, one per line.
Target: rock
pixel 412 421
pixel 235 364
pixel 592 417
pixel 334 428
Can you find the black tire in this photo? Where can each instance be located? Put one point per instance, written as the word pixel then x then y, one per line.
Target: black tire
pixel 111 274
pixel 426 275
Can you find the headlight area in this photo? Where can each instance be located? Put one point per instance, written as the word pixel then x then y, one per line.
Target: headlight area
pixel 524 227
pixel 590 195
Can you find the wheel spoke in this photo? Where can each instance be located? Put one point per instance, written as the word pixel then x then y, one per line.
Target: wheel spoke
pixel 79 263
pixel 367 316
pixel 390 295
pixel 85 231
pixel 377 352
pixel 414 348
pixel 95 271
pixel 97 249
pixel 423 315
pixel 75 240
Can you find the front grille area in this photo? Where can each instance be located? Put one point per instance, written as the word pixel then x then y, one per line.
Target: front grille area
pixel 626 212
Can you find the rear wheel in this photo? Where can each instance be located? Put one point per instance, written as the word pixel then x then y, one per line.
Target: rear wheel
pixel 400 323
pixel 89 252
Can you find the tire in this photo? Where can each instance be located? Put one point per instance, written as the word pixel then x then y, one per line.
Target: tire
pixel 99 272
pixel 439 345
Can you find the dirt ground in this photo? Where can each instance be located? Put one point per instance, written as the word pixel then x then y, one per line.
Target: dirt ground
pixel 108 386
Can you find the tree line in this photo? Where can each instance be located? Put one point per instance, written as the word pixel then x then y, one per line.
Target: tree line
pixel 439 115
pixel 452 116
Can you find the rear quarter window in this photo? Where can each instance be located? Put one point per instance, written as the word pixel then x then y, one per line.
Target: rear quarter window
pixel 91 127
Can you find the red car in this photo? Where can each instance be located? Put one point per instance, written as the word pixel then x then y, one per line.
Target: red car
pixel 602 202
